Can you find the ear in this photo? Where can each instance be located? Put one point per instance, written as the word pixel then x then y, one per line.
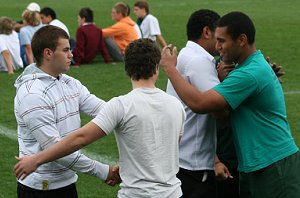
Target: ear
pixel 243 39
pixel 47 53
pixel 206 32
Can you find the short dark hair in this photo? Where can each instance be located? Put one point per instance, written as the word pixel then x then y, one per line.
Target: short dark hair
pixel 198 20
pixel 47 11
pixel 122 8
pixel 46 37
pixel 142 4
pixel 87 13
pixel 238 23
pixel 142 57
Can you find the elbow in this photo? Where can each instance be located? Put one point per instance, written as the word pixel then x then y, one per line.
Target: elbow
pixel 197 107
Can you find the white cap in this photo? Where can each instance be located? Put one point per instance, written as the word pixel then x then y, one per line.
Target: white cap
pixel 33 7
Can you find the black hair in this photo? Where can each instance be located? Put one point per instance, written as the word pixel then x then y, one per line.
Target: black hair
pixel 238 23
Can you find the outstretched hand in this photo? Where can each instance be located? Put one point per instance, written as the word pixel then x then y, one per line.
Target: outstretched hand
pixel 168 58
pixel 25 166
pixel 113 177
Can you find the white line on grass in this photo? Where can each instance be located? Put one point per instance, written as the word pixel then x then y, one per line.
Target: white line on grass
pixel 12 134
pixel 292 92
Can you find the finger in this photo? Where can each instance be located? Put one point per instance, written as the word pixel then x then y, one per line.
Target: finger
pixel 268 59
pixel 174 51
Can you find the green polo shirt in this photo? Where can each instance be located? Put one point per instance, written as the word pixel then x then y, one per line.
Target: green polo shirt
pixel 260 129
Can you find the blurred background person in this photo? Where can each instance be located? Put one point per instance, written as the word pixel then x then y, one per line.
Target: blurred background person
pixel 148 23
pixel 10 58
pixel 89 39
pixel 119 35
pixel 32 22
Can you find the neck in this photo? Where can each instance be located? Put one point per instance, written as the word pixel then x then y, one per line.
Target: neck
pixel 250 49
pixel 48 70
pixel 143 83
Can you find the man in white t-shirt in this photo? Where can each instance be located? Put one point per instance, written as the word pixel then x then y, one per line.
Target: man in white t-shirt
pixel 48 16
pixel 10 57
pixel 148 124
pixel 148 23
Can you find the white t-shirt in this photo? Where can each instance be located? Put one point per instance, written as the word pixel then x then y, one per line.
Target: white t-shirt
pixel 198 144
pixel 60 24
pixel 147 123
pixel 150 27
pixel 27 32
pixel 11 43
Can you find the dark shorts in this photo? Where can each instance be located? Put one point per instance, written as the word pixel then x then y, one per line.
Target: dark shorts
pixel 195 185
pixel 65 192
pixel 281 179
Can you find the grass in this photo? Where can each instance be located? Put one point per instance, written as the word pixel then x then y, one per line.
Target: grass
pixel 277 32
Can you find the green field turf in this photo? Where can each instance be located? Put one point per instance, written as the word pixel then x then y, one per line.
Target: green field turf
pixel 277 26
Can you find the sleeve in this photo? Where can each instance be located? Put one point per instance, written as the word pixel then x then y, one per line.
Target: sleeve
pixel 237 87
pixel 37 114
pixel 24 37
pixel 102 48
pixel 154 27
pixel 112 30
pixel 3 45
pixel 78 51
pixel 88 103
pixel 201 73
pixel 110 116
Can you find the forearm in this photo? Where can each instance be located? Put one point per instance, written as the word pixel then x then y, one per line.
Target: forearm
pixel 29 55
pixel 161 40
pixel 71 143
pixel 7 58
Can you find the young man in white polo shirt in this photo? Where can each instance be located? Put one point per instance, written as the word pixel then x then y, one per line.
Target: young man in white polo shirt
pixel 148 23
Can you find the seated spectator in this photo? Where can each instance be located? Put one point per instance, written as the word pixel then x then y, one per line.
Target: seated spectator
pixel 119 35
pixel 137 28
pixel 89 39
pixel 10 58
pixel 32 22
pixel 33 7
pixel 147 22
pixel 48 16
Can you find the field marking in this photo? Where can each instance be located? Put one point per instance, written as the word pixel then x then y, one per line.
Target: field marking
pixel 12 134
pixel 292 92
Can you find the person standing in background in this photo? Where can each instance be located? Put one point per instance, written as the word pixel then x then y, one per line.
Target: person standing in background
pixel 147 22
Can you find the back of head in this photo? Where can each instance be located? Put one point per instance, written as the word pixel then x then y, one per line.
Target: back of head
pixel 122 8
pixel 6 25
pixel 198 20
pixel 32 18
pixel 47 11
pixel 87 13
pixel 46 37
pixel 142 57
pixel 238 23
pixel 142 4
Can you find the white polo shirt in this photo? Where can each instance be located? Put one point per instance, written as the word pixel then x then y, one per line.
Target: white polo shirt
pixel 150 27
pixel 198 143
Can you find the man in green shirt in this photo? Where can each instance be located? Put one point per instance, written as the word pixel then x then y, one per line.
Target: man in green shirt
pixel 268 157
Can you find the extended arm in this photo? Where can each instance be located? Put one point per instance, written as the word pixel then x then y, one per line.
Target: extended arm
pixel 73 142
pixel 7 58
pixel 199 102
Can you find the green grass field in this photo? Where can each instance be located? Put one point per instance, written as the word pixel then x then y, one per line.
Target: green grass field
pixel 277 26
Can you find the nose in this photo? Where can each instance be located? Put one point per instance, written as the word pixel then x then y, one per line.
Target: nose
pixel 218 46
